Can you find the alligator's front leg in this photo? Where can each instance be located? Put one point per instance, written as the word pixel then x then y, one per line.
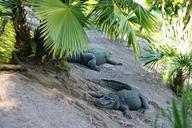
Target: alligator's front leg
pixel 91 61
pixel 126 111
pixel 111 61
pixel 144 104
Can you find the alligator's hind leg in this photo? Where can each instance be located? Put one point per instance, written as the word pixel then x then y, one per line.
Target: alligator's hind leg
pixel 91 61
pixel 111 61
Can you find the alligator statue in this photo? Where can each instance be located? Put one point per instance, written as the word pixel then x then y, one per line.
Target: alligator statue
pixel 124 99
pixel 94 57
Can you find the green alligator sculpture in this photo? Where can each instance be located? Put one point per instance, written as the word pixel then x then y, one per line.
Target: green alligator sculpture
pixel 94 57
pixel 124 99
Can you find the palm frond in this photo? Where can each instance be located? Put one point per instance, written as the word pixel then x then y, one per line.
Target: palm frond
pixel 145 18
pixel 176 115
pixel 62 26
pixel 117 18
pixel 156 54
pixel 7 42
pixel 6 6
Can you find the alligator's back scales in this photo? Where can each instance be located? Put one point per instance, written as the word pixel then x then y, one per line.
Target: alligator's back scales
pixel 115 85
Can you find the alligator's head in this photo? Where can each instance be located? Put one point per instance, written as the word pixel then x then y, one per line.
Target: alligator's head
pixel 107 101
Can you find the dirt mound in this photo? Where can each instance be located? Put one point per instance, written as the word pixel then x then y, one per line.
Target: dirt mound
pixel 39 98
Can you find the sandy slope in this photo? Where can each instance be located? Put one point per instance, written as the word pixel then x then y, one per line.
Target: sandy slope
pixel 25 104
pixel 42 99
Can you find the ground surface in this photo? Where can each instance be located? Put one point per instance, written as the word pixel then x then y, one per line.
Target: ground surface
pixel 40 98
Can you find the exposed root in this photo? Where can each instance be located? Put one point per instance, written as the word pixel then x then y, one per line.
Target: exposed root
pixel 11 67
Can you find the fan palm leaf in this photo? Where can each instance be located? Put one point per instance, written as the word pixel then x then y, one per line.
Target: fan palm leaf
pixel 62 26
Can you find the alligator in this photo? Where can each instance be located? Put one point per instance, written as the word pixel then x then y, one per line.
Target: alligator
pixel 94 57
pixel 124 99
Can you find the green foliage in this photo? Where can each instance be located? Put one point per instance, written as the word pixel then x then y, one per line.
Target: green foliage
pixel 15 10
pixel 117 19
pixel 7 40
pixel 33 46
pixel 62 26
pixel 187 93
pixel 171 7
pixel 6 6
pixel 178 116
pixel 65 67
pixel 173 52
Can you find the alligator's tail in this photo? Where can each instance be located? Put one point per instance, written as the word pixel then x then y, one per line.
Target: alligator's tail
pixel 115 85
pixel 74 59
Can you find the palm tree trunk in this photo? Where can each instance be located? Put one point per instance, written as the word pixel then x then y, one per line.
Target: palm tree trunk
pixel 22 32
pixel 178 81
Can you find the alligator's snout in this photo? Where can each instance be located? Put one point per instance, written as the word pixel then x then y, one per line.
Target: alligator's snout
pixel 106 102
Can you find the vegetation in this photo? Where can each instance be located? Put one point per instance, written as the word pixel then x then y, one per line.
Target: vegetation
pixel 15 10
pixel 173 53
pixel 170 8
pixel 63 21
pixel 170 54
pixel 7 40
pixel 179 115
pixel 65 67
pixel 187 93
pixel 172 50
